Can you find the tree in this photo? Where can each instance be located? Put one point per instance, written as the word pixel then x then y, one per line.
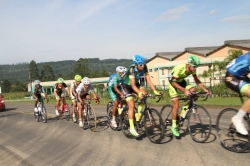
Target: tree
pixel 82 68
pixel 47 73
pixel 6 85
pixel 19 87
pixel 33 71
pixel 233 54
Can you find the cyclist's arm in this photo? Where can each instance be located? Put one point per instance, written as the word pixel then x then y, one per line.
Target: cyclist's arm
pixel 198 82
pixel 55 94
pixel 117 90
pixel 150 82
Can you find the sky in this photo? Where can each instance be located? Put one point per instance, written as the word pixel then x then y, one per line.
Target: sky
pixel 56 30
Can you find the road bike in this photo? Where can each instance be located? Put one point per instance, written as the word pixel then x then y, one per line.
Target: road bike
pixel 42 113
pixel 64 109
pixel 89 115
pixel 151 121
pixel 199 120
pixel 230 139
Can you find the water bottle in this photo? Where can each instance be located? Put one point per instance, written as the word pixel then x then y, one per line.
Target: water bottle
pixel 184 111
pixel 84 112
pixel 120 109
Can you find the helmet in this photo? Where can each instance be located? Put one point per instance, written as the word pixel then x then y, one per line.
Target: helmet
pixel 60 80
pixel 78 78
pixel 85 80
pixel 36 82
pixel 124 69
pixel 194 61
pixel 138 59
pixel 120 69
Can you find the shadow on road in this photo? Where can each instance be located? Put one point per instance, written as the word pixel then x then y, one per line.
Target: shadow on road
pixel 102 123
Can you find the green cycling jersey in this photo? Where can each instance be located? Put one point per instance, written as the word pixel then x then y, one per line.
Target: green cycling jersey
pixel 179 73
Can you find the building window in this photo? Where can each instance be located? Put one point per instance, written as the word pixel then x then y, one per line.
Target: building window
pixel 162 71
pixel 156 69
pixel 150 70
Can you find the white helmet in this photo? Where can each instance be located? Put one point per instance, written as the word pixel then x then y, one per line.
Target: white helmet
pixel 85 80
pixel 120 69
pixel 124 69
pixel 37 82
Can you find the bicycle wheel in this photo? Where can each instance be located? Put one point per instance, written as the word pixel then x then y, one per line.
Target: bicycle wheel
pixel 44 115
pixel 199 124
pixel 110 116
pixel 91 118
pixel 154 126
pixel 36 116
pixel 67 112
pixel 125 123
pixel 229 137
pixel 109 105
pixel 166 114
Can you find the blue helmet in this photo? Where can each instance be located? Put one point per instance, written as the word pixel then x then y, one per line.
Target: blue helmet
pixel 138 59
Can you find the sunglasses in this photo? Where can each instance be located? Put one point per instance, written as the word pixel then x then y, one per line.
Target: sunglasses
pixel 141 65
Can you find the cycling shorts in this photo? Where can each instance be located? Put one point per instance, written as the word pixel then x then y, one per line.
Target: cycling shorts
pixel 237 84
pixel 173 91
pixel 83 97
pixel 113 95
pixel 59 94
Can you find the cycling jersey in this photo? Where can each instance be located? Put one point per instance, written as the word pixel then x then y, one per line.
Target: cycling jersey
pixel 82 90
pixel 133 72
pixel 240 66
pixel 114 79
pixel 38 91
pixel 179 72
pixel 59 87
pixel 73 85
pixel 111 77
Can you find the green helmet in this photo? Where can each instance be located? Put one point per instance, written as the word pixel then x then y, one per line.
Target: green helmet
pixel 60 80
pixel 78 78
pixel 194 61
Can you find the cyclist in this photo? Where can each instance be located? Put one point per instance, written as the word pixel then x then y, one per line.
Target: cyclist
pixel 177 81
pixel 237 79
pixel 37 92
pixel 83 92
pixel 134 79
pixel 115 90
pixel 73 87
pixel 60 89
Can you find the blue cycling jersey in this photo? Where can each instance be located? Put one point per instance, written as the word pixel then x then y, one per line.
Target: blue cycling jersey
pixel 240 66
pixel 111 77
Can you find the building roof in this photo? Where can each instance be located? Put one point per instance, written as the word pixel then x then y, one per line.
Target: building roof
pixel 241 43
pixel 201 50
pixel 165 55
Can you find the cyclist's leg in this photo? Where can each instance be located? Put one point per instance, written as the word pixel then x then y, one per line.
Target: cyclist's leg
pixel 79 105
pixel 175 102
pixel 138 115
pixel 242 87
pixel 74 105
pixel 113 96
pixel 57 103
pixel 35 101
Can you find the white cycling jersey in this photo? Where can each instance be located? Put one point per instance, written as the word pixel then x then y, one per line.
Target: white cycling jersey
pixel 81 89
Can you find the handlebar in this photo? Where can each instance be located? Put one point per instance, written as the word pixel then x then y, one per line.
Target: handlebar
pixel 193 94
pixel 150 95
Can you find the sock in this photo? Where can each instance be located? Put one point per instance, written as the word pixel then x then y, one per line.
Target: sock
pixel 113 118
pixel 240 115
pixel 131 123
pixel 174 123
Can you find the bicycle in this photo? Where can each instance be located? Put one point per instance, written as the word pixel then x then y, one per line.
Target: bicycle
pixel 121 105
pixel 89 115
pixel 151 121
pixel 226 131
pixel 199 123
pixel 64 109
pixel 42 113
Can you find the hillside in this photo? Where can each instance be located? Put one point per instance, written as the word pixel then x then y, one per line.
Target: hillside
pixel 19 71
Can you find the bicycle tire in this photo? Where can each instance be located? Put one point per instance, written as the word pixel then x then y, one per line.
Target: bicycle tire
pixel 44 115
pixel 166 114
pixel 230 139
pixel 153 125
pixel 109 105
pixel 200 131
pixel 91 118
pixel 36 116
pixel 67 114
pixel 110 116
pixel 125 123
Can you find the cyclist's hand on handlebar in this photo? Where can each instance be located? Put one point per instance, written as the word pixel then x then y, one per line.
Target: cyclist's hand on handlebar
pixel 140 95
pixel 208 92
pixel 97 101
pixel 156 92
pixel 187 92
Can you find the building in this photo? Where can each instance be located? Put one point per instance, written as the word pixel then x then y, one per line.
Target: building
pixel 162 63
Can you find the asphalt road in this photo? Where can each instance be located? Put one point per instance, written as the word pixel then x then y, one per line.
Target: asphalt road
pixel 23 141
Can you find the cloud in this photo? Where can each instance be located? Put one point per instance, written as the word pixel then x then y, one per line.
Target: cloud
pixel 174 14
pixel 243 20
pixel 212 12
